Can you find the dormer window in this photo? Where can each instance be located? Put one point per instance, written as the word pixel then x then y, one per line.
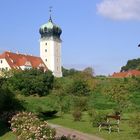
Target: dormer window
pixel 41 65
pixel 28 63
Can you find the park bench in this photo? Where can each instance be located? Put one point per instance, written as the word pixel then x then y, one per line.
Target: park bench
pixel 111 122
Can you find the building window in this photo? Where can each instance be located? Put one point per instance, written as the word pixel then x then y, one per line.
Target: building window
pixel 46 60
pixel 46 44
pixel 57 68
pixel 6 68
pixel 0 61
pixel 45 50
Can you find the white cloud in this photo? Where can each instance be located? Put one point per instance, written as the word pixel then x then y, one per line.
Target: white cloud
pixel 120 9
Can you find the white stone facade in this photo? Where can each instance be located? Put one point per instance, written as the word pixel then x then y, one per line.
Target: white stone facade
pixel 4 65
pixel 50 52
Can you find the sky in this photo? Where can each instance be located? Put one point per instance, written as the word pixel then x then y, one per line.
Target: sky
pixel 102 34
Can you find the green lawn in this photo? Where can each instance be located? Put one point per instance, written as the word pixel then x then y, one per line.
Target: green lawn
pixel 8 136
pixel 35 103
pixel 5 133
pixel 85 126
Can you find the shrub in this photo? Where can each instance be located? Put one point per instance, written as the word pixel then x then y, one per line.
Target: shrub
pixel 31 82
pixel 6 116
pixel 79 87
pixel 27 126
pixel 80 103
pixel 96 117
pixel 48 113
pixel 77 115
pixel 8 101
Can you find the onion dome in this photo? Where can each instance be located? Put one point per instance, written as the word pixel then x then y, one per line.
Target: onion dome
pixel 50 30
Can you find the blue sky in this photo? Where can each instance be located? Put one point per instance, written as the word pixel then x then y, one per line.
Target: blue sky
pixel 102 34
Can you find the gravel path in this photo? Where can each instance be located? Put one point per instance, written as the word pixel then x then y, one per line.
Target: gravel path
pixel 60 131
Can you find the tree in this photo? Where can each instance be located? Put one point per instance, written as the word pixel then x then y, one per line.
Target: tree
pixel 131 64
pixel 118 91
pixel 89 71
pixel 69 72
pixel 80 103
pixel 31 82
pixel 8 102
pixel 78 87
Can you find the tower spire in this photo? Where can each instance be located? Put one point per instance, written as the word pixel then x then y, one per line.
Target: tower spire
pixel 50 11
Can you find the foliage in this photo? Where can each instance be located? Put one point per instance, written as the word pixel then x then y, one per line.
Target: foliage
pixel 79 87
pixel 96 117
pixel 31 82
pixel 131 64
pixel 118 91
pixel 80 103
pixel 77 114
pixel 8 101
pixel 135 123
pixel 72 72
pixel 89 71
pixel 6 116
pixel 49 113
pixel 69 72
pixel 64 103
pixel 27 126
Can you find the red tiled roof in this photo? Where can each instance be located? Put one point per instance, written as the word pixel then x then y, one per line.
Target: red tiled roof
pixel 16 60
pixel 126 74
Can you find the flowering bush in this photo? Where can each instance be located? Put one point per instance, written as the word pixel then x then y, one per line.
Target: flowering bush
pixel 27 126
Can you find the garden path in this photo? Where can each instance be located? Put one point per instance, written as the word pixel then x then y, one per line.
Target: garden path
pixel 60 131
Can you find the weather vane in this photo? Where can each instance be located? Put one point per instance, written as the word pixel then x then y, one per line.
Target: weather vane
pixel 50 11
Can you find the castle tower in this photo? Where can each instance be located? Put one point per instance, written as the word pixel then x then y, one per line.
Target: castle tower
pixel 50 47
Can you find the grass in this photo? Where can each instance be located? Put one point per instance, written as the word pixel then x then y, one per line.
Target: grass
pixel 8 136
pixel 85 126
pixel 5 133
pixel 34 104
pixel 102 104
